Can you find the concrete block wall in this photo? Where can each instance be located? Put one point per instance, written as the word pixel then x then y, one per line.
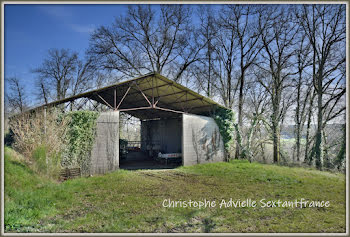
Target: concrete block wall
pixel 201 139
pixel 105 151
pixel 165 132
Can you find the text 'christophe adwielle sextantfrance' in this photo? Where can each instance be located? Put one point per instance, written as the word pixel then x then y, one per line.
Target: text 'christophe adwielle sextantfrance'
pixel 247 203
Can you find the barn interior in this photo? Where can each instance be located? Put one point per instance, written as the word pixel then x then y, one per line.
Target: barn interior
pixel 158 138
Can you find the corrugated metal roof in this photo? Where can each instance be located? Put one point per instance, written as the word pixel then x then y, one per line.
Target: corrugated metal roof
pixel 148 97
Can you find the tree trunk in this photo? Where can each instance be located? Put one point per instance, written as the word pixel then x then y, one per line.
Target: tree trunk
pixel 307 159
pixel 276 99
pixel 297 131
pixel 276 130
pixel 229 92
pixel 240 111
pixel 298 142
pixel 341 154
pixel 276 144
pixel 318 142
pixel 327 163
pixel 209 70
pixel 238 138
pixel 58 90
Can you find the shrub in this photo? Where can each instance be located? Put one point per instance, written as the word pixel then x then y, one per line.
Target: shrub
pixel 224 118
pixel 38 136
pixel 80 137
pixel 53 140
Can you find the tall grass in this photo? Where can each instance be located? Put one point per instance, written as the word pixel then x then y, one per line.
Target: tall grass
pixel 44 165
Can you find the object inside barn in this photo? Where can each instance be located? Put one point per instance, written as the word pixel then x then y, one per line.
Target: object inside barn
pixel 176 127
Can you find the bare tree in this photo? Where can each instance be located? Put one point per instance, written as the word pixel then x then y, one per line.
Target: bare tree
pixel 303 90
pixel 43 92
pixel 57 70
pixel 278 37
pixel 146 40
pixel 258 103
pixel 325 28
pixel 63 74
pixel 15 95
pixel 225 58
pixel 241 19
pixel 84 76
pixel 203 69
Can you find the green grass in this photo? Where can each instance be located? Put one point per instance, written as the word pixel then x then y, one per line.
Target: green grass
pixel 131 201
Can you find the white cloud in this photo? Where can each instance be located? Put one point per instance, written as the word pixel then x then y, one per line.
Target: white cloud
pixel 82 28
pixel 65 16
pixel 57 11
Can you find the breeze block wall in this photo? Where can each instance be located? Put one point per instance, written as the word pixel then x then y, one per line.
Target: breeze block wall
pixel 105 151
pixel 201 139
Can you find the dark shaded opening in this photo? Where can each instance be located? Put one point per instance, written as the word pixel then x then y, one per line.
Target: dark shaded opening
pixel 158 144
pixel 136 160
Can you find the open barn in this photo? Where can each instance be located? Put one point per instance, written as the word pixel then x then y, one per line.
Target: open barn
pixel 176 125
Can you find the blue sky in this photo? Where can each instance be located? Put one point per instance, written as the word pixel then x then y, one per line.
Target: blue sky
pixel 31 30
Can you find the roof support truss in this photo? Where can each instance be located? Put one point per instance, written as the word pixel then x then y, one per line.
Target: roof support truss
pixel 149 92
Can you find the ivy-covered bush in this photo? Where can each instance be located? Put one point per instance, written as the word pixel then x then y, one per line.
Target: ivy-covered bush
pixel 225 119
pixel 79 140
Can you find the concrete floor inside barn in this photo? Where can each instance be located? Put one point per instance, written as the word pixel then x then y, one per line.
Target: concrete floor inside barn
pixel 136 160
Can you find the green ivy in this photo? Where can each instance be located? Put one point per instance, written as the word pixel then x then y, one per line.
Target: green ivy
pixel 80 139
pixel 224 118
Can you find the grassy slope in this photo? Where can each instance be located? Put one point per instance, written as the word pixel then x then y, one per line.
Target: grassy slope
pixel 131 201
